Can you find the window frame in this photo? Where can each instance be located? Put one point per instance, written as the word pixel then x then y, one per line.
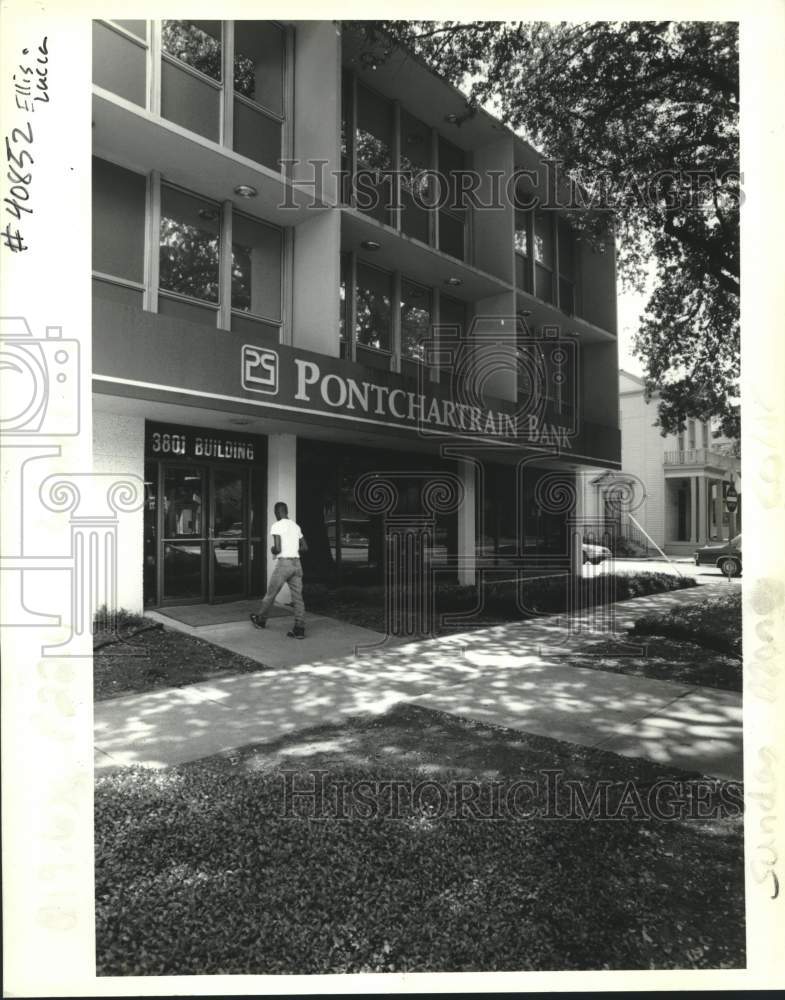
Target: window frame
pixel 427 288
pixel 350 87
pixel 246 313
pixel 369 347
pixel 395 356
pixel 150 287
pixel 461 216
pixel 168 293
pixel 156 56
pixel 143 43
pixel 561 275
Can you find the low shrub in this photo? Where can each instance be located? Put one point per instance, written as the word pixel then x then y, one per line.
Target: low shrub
pixel 120 620
pixel 509 600
pixel 201 871
pixel 713 624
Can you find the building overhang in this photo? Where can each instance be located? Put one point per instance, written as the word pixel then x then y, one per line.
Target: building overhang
pixel 541 313
pixel 398 252
pixel 134 138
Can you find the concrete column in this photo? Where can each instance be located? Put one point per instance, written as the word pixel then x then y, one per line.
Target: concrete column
pixel 316 267
pixel 693 508
pixel 702 509
pixel 718 509
pixel 281 485
pixel 467 542
pixel 581 518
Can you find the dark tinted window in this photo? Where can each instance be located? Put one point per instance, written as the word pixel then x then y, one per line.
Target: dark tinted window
pixel 189 243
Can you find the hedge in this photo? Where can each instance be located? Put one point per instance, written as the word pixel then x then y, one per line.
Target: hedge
pixel 504 599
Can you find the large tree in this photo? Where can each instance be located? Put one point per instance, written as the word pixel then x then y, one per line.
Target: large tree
pixel 645 116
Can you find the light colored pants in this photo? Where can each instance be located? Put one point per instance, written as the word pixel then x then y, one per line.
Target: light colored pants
pixel 286 571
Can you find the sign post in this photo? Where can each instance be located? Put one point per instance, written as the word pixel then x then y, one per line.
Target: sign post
pixel 731 505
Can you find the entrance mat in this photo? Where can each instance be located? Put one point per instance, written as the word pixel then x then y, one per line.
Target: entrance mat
pixel 199 615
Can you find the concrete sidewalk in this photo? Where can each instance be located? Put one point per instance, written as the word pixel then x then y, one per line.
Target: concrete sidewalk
pixel 513 675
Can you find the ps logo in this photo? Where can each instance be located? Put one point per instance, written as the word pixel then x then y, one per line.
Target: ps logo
pixel 260 369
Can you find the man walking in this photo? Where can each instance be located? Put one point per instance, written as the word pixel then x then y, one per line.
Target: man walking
pixel 288 543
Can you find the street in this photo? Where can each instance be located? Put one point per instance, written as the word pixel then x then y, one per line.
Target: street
pixel 685 567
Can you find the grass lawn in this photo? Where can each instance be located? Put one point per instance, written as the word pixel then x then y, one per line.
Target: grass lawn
pixel 664 659
pixel 696 644
pixel 199 871
pixel 713 624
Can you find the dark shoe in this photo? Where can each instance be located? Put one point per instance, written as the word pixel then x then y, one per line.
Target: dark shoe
pixel 257 621
pixel 298 632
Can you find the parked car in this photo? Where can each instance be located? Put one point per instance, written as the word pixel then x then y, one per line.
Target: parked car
pixel 595 554
pixel 726 556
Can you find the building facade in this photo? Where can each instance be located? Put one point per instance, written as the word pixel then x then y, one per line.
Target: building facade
pixel 323 281
pixel 677 480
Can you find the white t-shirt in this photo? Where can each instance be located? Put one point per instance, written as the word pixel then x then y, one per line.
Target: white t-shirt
pixel 289 533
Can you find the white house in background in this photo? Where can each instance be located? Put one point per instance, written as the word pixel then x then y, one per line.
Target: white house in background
pixel 680 479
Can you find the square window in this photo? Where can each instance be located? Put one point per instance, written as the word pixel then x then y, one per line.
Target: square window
pixel 452 314
pixel 189 101
pixel 415 319
pixel 256 268
pixel 138 28
pixel 257 136
pixel 567 250
pixel 195 43
pixel 452 238
pixel 374 308
pixel 189 245
pixel 258 63
pixel 118 221
pixel 373 144
pixel 119 65
pixel 543 239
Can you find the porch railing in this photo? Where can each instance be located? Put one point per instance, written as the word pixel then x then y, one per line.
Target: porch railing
pixel 698 456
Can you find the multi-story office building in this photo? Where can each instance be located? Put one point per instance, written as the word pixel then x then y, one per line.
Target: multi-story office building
pixel 287 239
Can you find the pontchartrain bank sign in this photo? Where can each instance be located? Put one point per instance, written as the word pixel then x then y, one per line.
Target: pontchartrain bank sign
pixel 331 387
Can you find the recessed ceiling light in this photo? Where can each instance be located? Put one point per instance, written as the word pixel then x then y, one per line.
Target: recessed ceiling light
pixel 525 313
pixel 370 245
pixel 453 282
pixel 452 119
pixel 245 191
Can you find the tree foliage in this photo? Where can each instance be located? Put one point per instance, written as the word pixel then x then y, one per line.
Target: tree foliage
pixel 644 115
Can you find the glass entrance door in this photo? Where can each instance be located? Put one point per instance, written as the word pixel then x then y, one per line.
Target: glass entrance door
pixel 184 534
pixel 204 518
pixel 228 575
